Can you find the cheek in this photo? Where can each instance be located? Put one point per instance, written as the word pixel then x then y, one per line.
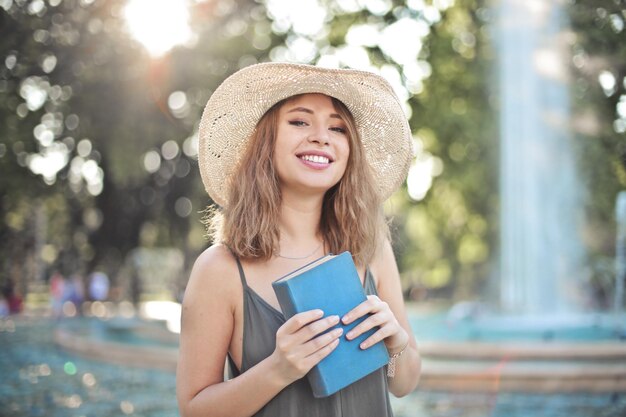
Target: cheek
pixel 280 148
pixel 281 162
pixel 345 158
pixel 277 162
pixel 345 149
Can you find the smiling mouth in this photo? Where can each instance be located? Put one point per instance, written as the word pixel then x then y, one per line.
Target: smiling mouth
pixel 318 159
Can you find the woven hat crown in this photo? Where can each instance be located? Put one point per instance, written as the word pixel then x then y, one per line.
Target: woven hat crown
pixel 237 105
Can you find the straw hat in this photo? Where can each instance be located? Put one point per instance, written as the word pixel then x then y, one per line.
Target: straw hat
pixel 237 105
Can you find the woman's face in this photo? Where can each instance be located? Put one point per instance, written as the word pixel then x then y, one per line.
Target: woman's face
pixel 312 146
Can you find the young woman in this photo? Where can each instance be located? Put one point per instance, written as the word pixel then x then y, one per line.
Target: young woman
pixel 299 159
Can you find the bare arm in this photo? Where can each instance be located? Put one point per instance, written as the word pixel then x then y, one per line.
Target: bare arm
pixel 389 313
pixel 207 327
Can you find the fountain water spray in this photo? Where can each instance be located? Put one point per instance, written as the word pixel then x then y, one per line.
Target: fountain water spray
pixel 541 250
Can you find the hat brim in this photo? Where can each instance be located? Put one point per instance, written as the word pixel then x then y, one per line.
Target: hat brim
pixel 237 105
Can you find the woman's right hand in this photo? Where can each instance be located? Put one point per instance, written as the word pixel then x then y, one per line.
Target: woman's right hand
pixel 298 346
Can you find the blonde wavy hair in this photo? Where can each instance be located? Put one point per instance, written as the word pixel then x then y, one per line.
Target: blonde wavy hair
pixel 352 217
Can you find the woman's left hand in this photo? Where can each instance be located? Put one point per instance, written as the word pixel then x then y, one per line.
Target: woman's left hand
pixel 390 331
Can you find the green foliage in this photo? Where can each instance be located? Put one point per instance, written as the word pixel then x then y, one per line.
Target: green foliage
pixel 600 47
pixel 455 119
pixel 103 87
pixel 103 90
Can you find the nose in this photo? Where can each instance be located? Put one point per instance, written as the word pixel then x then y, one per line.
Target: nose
pixel 320 135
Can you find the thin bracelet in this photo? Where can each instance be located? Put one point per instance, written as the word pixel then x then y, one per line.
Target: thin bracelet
pixel 391 366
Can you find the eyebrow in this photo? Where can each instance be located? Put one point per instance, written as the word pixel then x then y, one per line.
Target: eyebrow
pixel 306 110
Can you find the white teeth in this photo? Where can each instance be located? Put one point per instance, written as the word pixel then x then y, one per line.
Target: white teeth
pixel 315 158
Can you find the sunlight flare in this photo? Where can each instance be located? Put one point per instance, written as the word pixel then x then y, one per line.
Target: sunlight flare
pixel 158 25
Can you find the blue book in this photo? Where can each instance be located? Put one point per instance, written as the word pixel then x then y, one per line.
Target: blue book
pixel 332 284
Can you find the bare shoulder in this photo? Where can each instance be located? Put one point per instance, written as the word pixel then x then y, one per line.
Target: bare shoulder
pixel 383 266
pixel 207 322
pixel 214 273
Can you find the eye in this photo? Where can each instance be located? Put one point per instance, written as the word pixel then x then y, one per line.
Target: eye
pixel 339 129
pixel 297 123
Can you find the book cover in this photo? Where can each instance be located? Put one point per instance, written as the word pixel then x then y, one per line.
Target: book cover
pixel 332 284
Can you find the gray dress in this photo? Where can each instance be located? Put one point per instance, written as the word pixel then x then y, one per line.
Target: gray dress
pixel 367 397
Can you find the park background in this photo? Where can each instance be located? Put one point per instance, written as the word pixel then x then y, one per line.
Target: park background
pixel 99 110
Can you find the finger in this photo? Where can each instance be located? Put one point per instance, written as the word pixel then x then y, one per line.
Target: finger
pixel 321 341
pixel 311 330
pixel 377 337
pixel 367 324
pixel 300 320
pixel 320 354
pixel 372 304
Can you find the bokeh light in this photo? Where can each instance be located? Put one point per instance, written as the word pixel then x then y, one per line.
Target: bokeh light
pixel 69 368
pixel 127 407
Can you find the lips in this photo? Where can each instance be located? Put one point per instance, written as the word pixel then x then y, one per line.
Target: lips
pixel 316 157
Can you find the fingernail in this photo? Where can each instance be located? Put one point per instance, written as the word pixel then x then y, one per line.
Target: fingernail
pixel 364 345
pixel 334 319
pixel 345 319
pixel 350 335
pixel 337 332
pixel 319 313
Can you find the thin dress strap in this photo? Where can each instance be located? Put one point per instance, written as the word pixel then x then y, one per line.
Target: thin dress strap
pixel 242 276
pixel 233 370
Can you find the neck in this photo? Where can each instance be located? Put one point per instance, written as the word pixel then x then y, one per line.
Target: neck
pixel 299 223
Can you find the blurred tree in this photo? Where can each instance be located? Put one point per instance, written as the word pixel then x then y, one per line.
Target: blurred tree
pixel 90 138
pixel 453 232
pixel 97 136
pixel 599 105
